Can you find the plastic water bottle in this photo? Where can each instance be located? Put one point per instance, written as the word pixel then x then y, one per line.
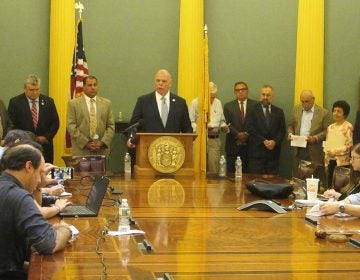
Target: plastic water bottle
pixel 127 164
pixel 238 169
pixel 124 215
pixel 125 250
pixel 120 117
pixel 222 166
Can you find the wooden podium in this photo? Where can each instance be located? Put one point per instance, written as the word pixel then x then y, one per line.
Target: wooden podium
pixel 143 166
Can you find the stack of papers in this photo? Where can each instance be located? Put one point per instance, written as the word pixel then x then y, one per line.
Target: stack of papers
pixel 306 202
pixel 119 233
pixel 315 211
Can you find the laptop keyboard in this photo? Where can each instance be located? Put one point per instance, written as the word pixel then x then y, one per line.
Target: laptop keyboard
pixel 77 210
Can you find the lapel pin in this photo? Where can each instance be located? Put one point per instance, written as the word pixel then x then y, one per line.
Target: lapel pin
pixel 173 100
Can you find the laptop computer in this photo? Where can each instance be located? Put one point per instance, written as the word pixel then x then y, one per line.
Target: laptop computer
pixel 93 203
pixel 302 186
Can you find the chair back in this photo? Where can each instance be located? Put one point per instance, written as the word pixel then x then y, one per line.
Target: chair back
pixel 341 179
pixel 87 165
pixel 307 169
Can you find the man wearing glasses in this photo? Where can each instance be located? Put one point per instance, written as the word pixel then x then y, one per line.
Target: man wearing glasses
pixel 310 120
pixel 236 115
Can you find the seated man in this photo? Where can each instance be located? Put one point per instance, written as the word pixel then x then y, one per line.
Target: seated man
pixel 16 137
pixel 23 226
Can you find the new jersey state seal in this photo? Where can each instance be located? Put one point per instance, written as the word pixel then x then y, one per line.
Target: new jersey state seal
pixel 166 154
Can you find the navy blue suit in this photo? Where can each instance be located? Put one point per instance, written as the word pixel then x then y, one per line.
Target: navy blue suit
pixel 262 160
pixel 48 120
pixel 146 111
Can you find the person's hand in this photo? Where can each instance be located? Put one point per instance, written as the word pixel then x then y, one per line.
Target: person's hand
pixel 241 137
pixel 329 207
pixel 129 144
pixel 62 203
pixel 311 139
pixel 55 190
pixel 45 180
pixel 91 146
pixel 332 194
pixel 225 129
pixel 98 144
pixel 290 135
pixel 270 144
pixel 41 139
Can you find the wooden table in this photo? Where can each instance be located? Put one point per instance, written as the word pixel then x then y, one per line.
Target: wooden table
pixel 196 232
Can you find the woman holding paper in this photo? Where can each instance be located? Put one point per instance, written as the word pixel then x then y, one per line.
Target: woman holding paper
pixel 351 204
pixel 338 139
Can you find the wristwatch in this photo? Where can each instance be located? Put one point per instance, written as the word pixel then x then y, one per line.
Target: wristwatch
pixel 342 207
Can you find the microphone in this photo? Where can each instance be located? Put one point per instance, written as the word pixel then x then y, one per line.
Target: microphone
pixel 132 130
pixel 135 125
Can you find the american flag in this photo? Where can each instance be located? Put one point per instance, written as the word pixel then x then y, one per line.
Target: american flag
pixel 79 70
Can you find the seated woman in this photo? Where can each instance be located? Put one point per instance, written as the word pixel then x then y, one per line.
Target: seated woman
pixel 351 204
pixel 340 131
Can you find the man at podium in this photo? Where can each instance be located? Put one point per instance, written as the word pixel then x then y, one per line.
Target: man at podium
pixel 160 111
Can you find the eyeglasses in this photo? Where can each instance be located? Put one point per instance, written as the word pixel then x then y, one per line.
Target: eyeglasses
pixel 354 157
pixel 241 89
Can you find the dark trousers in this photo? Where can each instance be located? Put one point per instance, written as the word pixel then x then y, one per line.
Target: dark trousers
pixel 241 151
pixel 263 166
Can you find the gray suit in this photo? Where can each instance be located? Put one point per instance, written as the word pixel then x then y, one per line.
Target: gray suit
pixel 320 122
pixel 78 124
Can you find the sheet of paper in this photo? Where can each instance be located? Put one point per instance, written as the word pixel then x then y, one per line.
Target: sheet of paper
pixel 119 233
pixel 334 140
pixel 65 194
pixel 315 211
pixel 298 141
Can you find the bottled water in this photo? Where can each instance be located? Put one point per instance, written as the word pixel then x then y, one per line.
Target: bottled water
pixel 125 250
pixel 127 164
pixel 124 215
pixel 120 117
pixel 238 169
pixel 222 166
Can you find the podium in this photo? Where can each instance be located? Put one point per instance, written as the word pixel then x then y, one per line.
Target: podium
pixel 144 165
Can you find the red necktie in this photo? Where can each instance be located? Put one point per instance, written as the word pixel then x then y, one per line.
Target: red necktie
pixel 34 113
pixel 242 115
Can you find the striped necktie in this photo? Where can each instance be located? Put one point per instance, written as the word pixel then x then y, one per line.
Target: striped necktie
pixel 34 113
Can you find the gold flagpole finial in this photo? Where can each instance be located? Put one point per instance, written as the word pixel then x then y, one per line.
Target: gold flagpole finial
pixel 80 7
pixel 205 30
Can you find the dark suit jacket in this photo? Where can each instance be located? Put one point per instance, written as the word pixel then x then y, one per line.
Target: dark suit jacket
pixel 259 132
pixel 5 120
pixel 146 111
pixel 356 135
pixel 232 116
pixel 48 120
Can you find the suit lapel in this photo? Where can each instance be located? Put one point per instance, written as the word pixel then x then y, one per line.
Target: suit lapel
pixel 172 103
pixel 155 108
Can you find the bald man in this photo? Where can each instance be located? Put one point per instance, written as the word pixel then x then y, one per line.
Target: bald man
pixel 148 108
pixel 311 120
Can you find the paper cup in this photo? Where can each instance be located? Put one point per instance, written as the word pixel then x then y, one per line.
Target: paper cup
pixel 312 185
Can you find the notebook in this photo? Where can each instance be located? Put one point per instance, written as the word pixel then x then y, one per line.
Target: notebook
pixel 93 203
